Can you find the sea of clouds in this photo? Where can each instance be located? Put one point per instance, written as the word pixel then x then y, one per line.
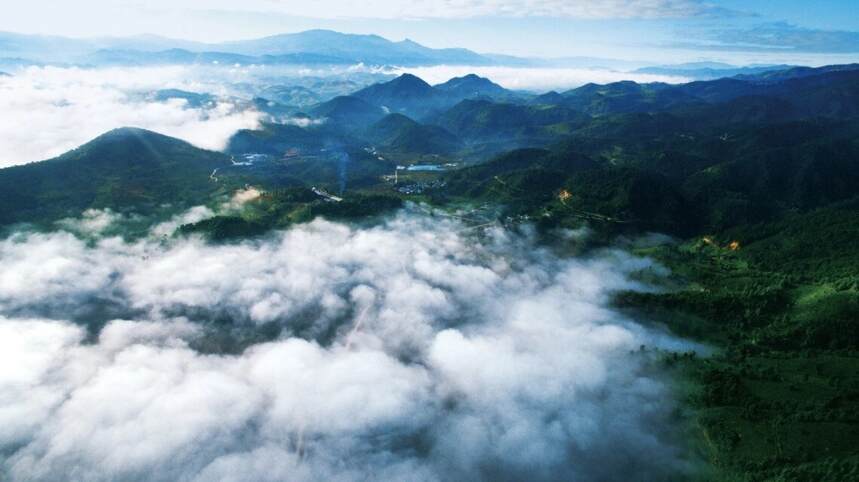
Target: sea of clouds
pixel 47 111
pixel 415 349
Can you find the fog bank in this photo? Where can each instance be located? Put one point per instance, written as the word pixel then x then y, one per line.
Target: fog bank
pixel 50 110
pixel 412 350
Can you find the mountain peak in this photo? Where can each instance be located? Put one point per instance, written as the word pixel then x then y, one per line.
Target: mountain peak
pixel 406 85
pixel 407 93
pixel 468 78
pixel 132 141
pixel 126 132
pixel 123 168
pixel 409 79
pixel 471 84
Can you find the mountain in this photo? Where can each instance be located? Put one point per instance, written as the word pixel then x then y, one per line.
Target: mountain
pixel 486 120
pixel 124 168
pixel 274 139
pixel 410 95
pixel 709 70
pixel 292 95
pixel 65 50
pixel 406 94
pixel 803 89
pixel 549 98
pixel 624 96
pixel 472 86
pixel 528 182
pixel 309 47
pixel 682 182
pixel 348 110
pixel 170 56
pixel 181 56
pixel 353 48
pixel 699 157
pixel 630 124
pixel 797 72
pixel 788 166
pixel 828 93
pixel 399 133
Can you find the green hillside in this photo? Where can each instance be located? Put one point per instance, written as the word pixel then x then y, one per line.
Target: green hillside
pixel 400 133
pixel 124 168
pixel 346 110
pixel 274 139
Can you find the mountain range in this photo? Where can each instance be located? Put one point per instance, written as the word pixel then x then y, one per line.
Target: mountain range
pixel 312 47
pixel 744 148
pixel 709 70
pixel 410 95
pixel 796 89
pixel 309 47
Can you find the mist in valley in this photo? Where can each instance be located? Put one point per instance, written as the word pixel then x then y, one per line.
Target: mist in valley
pixel 414 349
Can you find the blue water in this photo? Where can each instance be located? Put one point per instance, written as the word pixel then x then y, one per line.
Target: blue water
pixel 425 167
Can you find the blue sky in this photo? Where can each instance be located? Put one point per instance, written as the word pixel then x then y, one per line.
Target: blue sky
pixel 745 31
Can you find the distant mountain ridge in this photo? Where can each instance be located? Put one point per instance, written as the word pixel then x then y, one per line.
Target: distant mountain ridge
pixel 308 47
pixel 798 86
pixel 708 70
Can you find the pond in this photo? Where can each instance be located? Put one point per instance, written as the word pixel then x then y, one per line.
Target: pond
pixel 426 167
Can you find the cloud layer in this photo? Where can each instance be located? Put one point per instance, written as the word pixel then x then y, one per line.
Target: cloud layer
pixel 586 9
pixel 413 350
pixel 780 37
pixel 48 111
pixel 445 9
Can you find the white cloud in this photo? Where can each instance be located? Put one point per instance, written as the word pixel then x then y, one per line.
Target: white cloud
pixel 191 216
pixel 303 122
pixel 63 108
pixel 92 222
pixel 393 9
pixel 239 199
pixel 411 351
pixel 384 9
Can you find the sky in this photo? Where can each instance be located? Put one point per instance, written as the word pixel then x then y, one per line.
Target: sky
pixel 746 31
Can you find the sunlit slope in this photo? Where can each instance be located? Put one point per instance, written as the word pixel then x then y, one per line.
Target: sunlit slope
pixel 123 168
